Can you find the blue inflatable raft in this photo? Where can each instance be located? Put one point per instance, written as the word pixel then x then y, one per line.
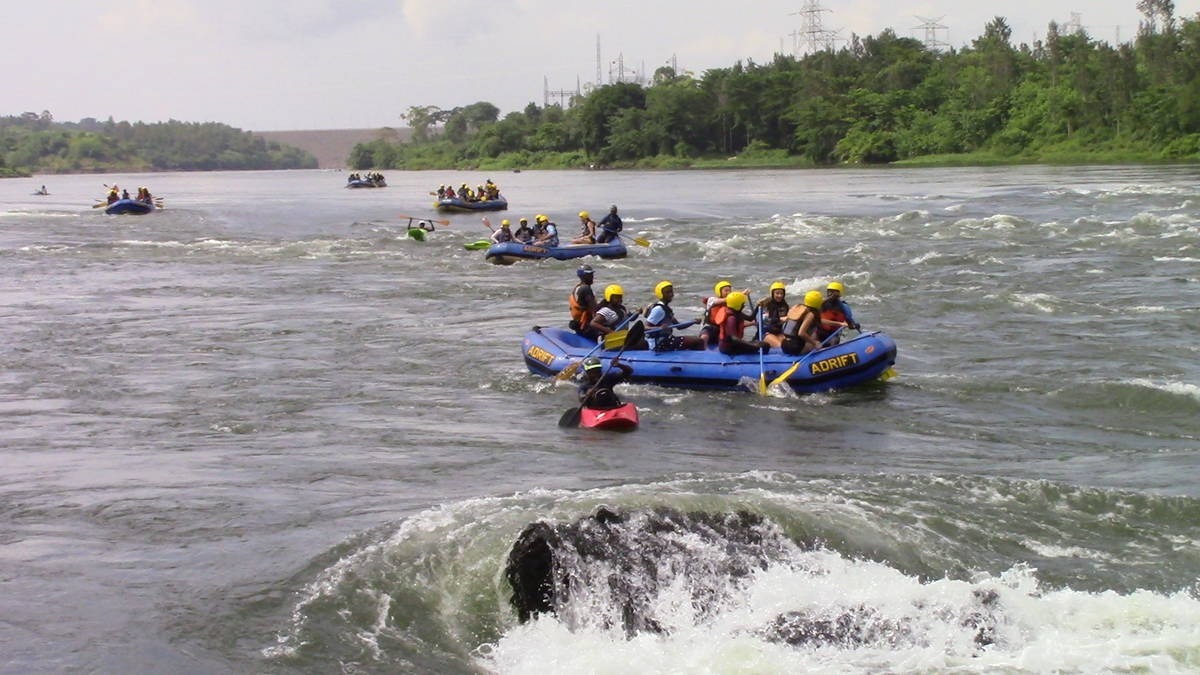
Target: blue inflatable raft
pixel 128 206
pixel 460 205
pixel 510 252
pixel 863 359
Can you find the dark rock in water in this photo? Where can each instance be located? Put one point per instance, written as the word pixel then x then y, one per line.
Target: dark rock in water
pixel 610 569
pixel 631 557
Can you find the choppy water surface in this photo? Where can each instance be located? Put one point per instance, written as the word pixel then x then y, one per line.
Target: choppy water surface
pixel 264 431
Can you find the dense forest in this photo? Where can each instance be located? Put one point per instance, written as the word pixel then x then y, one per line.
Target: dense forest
pixel 36 143
pixel 882 99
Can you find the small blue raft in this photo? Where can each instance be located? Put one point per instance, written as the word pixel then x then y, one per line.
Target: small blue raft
pixel 128 206
pixel 863 359
pixel 512 251
pixel 461 205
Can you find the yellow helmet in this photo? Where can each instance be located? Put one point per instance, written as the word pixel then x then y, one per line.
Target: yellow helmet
pixel 661 287
pixel 736 301
pixel 836 286
pixel 584 214
pixel 524 220
pixel 505 223
pixel 611 290
pixel 778 286
pixel 812 299
pixel 541 219
pixel 720 285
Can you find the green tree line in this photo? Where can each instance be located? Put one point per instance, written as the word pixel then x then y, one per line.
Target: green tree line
pixel 880 99
pixel 36 143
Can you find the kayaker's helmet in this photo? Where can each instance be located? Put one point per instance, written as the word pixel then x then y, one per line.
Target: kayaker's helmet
pixel 721 284
pixel 585 272
pixel 661 288
pixel 541 219
pixel 612 209
pixel 505 223
pixel 836 286
pixel 612 290
pixel 778 286
pixel 736 301
pixel 584 215
pixel 524 221
pixel 812 299
pixel 591 363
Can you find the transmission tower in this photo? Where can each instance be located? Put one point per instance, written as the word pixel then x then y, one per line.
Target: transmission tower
pixel 598 62
pixel 931 27
pixel 1075 25
pixel 815 36
pixel 563 96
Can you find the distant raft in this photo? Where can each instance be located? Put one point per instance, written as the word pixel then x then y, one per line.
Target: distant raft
pixel 512 251
pixel 134 207
pixel 462 206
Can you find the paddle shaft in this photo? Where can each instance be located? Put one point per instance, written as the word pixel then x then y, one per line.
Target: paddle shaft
pixel 569 371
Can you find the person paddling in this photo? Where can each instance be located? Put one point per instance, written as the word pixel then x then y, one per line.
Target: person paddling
pixel 610 226
pixel 596 390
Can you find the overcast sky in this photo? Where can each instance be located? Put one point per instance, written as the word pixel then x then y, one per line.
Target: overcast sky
pixel 317 64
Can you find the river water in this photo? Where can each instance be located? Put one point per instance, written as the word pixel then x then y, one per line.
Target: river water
pixel 262 430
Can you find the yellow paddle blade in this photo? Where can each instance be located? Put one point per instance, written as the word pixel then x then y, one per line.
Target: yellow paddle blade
pixel 762 384
pixel 641 241
pixel 785 374
pixel 615 339
pixel 888 374
pixel 568 372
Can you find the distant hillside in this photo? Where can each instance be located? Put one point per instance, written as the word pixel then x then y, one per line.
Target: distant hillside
pixel 332 147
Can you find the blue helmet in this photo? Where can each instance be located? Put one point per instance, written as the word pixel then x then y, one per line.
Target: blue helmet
pixel 584 271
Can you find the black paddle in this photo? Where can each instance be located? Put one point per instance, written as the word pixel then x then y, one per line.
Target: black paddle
pixel 571 417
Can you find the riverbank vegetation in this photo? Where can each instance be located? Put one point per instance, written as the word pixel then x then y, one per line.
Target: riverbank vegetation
pixel 879 100
pixel 32 143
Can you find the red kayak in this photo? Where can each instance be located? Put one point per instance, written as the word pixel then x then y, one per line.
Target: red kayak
pixel 624 418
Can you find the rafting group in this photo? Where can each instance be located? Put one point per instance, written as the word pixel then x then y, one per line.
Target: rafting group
pixel 486 191
pixel 116 194
pixel 369 180
pixel 724 353
pixel 118 201
pixel 545 233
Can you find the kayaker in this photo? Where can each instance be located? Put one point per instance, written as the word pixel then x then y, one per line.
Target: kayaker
pixel 835 313
pixel 596 390
pixel 550 238
pixel 503 234
pixel 610 226
pixel 113 194
pixel 659 321
pixel 523 233
pixel 587 226
pixel 733 324
pixel 801 325
pixel 583 303
pixel 774 309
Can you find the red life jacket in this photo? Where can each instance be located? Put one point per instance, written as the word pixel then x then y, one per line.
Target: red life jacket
pixel 739 324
